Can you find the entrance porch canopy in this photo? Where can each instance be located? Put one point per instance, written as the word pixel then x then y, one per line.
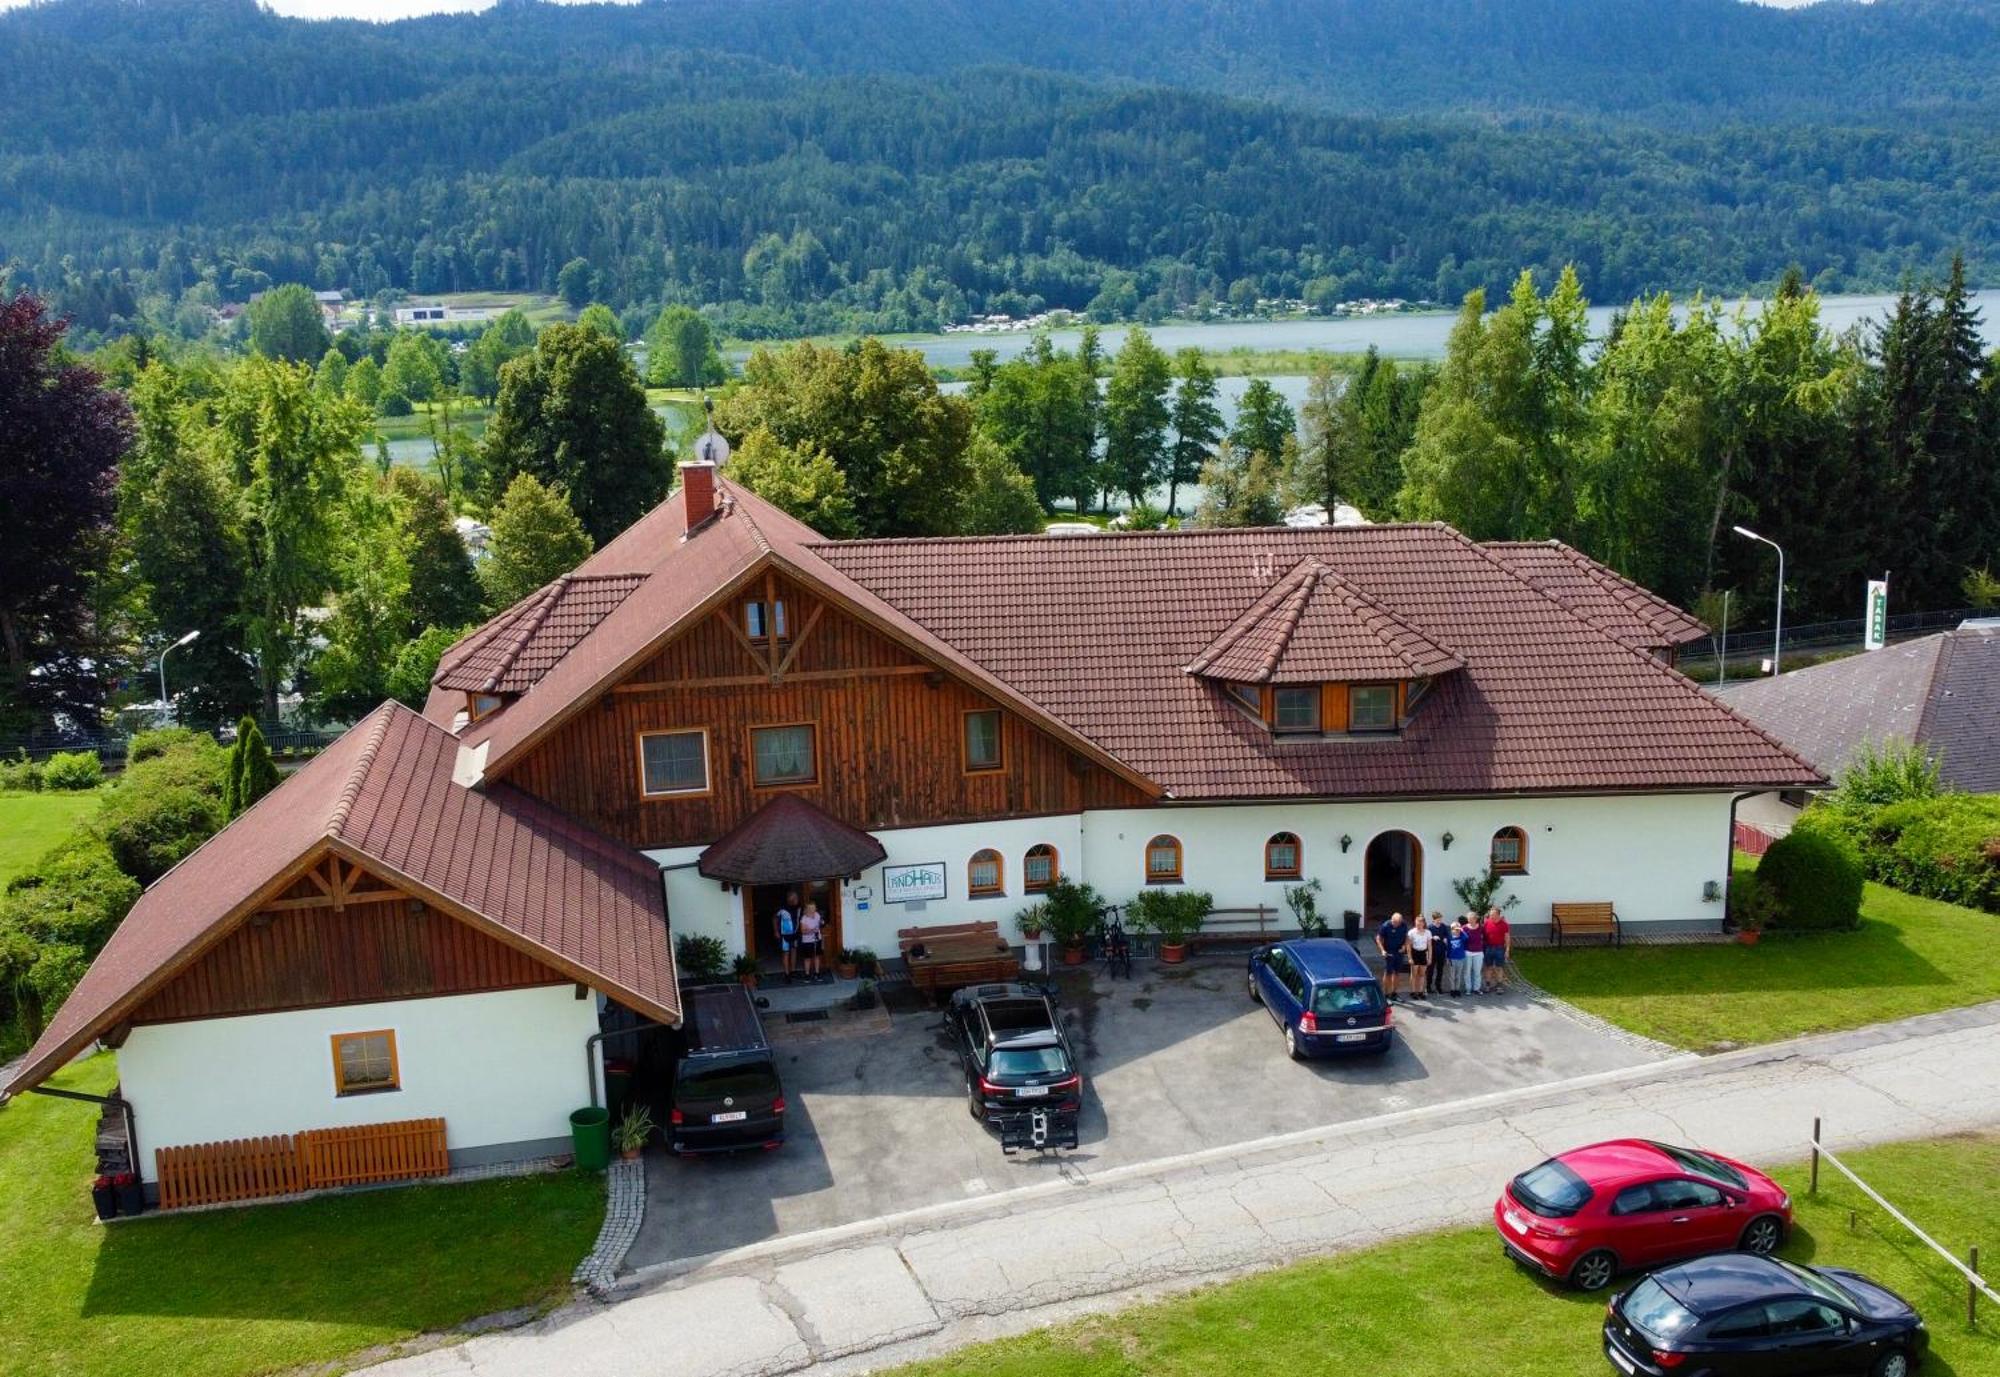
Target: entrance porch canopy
pixel 786 841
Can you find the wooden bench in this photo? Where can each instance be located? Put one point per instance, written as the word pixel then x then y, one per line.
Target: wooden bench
pixel 955 954
pixel 1585 920
pixel 1237 925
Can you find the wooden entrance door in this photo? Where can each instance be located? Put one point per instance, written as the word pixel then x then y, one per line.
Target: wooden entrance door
pixel 760 905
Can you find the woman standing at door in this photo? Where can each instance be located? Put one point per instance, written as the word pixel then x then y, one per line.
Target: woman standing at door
pixel 810 938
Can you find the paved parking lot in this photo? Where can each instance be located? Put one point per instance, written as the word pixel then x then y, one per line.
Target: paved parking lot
pixel 1176 1058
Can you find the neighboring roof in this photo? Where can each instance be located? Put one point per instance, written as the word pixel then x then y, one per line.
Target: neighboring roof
pixel 1602 596
pixel 789 840
pixel 382 795
pixel 1097 633
pixel 1315 627
pixel 1941 691
pixel 685 578
pixel 512 652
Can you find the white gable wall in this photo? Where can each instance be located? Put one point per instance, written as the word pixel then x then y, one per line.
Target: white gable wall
pixel 503 1069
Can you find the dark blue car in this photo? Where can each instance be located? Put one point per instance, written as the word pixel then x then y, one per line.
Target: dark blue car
pixel 1323 996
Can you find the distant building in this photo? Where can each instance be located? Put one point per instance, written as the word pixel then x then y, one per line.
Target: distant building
pixel 436 313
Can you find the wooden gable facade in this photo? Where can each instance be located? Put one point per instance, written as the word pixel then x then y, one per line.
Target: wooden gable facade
pixel 340 935
pixel 888 730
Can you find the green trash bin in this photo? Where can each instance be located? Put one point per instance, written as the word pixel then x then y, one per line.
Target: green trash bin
pixel 590 1134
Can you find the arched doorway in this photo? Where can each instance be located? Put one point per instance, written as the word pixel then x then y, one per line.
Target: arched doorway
pixel 1392 876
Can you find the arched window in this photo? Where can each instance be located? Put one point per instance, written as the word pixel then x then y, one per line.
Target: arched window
pixel 1510 851
pixel 1039 868
pixel 982 874
pixel 1163 860
pixel 1284 858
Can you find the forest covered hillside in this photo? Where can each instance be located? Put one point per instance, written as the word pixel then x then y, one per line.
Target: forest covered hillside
pixel 896 164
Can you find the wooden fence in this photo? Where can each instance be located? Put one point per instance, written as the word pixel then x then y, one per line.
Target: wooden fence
pixel 254 1168
pixel 1752 841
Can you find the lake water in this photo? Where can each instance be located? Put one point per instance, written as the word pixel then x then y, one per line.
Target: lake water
pixel 1405 336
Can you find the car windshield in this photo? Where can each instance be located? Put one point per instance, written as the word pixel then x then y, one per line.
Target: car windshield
pixel 1650 1310
pixel 1551 1190
pixel 735 1081
pixel 1826 1288
pixel 1338 1001
pixel 1027 1061
pixel 1701 1164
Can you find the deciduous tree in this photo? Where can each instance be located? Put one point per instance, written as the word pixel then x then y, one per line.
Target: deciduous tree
pixel 805 483
pixel 286 324
pixel 1136 417
pixel 536 536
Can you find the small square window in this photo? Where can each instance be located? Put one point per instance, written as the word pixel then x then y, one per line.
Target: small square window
pixel 982 740
pixel 782 755
pixel 674 762
pixel 365 1063
pixel 1296 710
pixel 756 626
pixel 1371 708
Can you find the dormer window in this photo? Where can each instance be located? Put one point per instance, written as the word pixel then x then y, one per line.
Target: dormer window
pixel 758 626
pixel 1371 708
pixel 1295 709
pixel 1249 695
pixel 478 705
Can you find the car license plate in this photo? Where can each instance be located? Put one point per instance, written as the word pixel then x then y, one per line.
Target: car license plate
pixel 1352 1037
pixel 1032 1092
pixel 1618 1357
pixel 1514 1221
pixel 734 1116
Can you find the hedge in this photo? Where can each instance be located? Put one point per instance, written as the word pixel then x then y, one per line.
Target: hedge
pixel 54 917
pixel 1946 847
pixel 1815 879
pixel 164 808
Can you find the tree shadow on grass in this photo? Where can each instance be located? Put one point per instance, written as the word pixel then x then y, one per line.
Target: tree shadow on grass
pixel 1872 957
pixel 396 1261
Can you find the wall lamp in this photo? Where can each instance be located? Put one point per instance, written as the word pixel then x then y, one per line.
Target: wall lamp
pixel 1345 841
pixel 1448 839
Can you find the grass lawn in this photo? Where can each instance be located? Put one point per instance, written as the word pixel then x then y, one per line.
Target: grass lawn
pixel 1450 1305
pixel 262 1288
pixel 1910 956
pixel 32 823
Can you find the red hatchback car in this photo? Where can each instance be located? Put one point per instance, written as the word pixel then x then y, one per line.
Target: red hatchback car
pixel 1589 1214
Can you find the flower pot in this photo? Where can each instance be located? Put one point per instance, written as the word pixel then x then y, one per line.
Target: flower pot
pixel 131 1198
pixel 846 970
pixel 105 1199
pixel 1031 937
pixel 1173 953
pixel 628 1154
pixel 749 981
pixel 1073 954
pixel 1747 937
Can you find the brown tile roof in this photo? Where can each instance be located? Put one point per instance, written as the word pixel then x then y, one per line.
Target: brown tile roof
pixel 687 578
pixel 1607 599
pixel 383 796
pixel 1097 633
pixel 789 839
pixel 1315 627
pixel 512 652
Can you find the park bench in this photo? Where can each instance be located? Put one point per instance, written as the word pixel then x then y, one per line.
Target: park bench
pixel 1584 920
pixel 1228 925
pixel 955 954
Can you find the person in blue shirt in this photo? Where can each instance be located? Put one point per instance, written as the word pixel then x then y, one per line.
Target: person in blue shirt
pixel 1392 939
pixel 785 924
pixel 1454 953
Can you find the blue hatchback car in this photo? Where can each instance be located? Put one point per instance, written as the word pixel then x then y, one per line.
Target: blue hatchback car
pixel 1322 995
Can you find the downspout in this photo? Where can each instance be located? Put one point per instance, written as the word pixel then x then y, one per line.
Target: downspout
pixel 118 1102
pixel 590 1051
pixel 1729 854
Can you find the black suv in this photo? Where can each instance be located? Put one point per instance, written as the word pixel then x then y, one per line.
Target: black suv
pixel 726 1093
pixel 1017 1057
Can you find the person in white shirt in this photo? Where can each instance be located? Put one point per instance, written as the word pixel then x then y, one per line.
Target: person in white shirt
pixel 1420 957
pixel 810 938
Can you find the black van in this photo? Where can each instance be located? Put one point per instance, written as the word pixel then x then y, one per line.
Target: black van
pixel 726 1094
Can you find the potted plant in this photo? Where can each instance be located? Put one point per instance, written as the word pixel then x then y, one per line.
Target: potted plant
pixel 131 1195
pixel 104 1196
pixel 844 964
pixel 699 957
pixel 865 963
pixel 1032 921
pixel 1303 901
pixel 633 1131
pixel 864 998
pixel 1173 916
pixel 1070 915
pixel 747 971
pixel 1753 906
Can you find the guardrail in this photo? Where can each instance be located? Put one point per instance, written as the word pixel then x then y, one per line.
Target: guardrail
pixel 1975 1285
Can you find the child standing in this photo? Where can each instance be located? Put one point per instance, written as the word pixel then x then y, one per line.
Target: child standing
pixel 1455 960
pixel 810 924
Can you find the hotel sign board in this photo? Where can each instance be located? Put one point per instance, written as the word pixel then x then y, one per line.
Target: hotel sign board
pixel 903 884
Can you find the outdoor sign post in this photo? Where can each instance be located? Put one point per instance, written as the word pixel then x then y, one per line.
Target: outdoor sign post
pixel 1875 618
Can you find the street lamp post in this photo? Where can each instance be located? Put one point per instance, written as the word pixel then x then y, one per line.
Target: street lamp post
pixel 166 706
pixel 1777 634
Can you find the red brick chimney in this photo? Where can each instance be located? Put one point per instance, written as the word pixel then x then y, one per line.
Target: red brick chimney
pixel 698 489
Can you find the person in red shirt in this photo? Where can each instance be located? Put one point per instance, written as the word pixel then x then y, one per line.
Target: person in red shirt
pixel 1499 938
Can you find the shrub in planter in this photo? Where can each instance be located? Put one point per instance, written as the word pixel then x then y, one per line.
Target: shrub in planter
pixel 1032 921
pixel 1815 881
pixel 866 963
pixel 632 1132
pixel 746 970
pixel 1071 910
pixel 700 957
pixel 75 770
pixel 1303 901
pixel 1173 915
pixel 1753 906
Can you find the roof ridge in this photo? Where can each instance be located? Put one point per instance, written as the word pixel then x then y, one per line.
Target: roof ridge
pixel 1945 643
pixel 1177 533
pixel 378 731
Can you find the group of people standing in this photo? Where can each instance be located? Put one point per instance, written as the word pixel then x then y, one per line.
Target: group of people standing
pixel 1467 956
pixel 800 930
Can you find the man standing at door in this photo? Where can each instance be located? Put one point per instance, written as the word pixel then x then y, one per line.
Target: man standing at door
pixel 1392 939
pixel 785 924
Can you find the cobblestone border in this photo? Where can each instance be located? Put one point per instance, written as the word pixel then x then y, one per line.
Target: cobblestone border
pixel 624 1212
